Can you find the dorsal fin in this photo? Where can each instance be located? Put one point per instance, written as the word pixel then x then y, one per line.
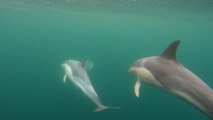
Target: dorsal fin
pixel 170 52
pixel 87 64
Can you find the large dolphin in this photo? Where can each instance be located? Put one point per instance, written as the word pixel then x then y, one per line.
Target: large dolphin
pixel 76 72
pixel 166 73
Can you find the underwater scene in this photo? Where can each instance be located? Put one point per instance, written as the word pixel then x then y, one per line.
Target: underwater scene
pixel 81 59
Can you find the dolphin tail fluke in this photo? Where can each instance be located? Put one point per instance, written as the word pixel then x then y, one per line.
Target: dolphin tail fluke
pixel 102 107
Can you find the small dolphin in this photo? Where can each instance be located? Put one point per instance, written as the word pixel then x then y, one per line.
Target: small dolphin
pixel 76 72
pixel 166 73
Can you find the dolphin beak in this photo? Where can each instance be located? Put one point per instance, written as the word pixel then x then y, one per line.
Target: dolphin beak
pixel 131 70
pixel 63 65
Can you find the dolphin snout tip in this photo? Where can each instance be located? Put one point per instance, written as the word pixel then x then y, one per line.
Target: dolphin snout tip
pixel 130 70
pixel 63 65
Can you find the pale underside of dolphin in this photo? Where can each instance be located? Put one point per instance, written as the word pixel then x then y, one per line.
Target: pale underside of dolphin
pixel 77 73
pixel 166 73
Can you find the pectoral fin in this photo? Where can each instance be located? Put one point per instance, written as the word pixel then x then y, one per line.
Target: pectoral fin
pixel 137 87
pixel 65 77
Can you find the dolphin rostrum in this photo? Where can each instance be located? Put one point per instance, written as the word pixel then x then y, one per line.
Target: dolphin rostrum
pixel 76 72
pixel 166 73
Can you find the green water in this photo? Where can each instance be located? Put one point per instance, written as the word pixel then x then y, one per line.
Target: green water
pixel 35 41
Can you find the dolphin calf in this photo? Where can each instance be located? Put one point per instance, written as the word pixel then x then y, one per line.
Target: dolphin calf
pixel 76 72
pixel 166 73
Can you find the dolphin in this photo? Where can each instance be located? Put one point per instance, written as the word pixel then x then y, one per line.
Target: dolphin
pixel 165 72
pixel 76 71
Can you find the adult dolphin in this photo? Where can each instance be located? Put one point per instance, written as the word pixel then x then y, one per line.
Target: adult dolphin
pixel 76 72
pixel 166 73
